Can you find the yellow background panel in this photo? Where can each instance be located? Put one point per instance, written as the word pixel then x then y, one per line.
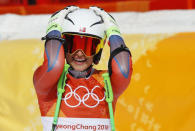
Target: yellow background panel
pixel 161 96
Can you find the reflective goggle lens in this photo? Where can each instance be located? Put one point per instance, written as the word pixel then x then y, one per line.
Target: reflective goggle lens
pixel 77 42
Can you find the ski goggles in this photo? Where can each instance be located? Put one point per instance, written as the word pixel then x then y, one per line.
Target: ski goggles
pixel 88 44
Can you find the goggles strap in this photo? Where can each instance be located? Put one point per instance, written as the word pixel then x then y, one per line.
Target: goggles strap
pixel 53 38
pixel 114 53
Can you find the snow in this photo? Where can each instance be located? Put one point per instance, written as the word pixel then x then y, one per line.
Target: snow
pixel 166 21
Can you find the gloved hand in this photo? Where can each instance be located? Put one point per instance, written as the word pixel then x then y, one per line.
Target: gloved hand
pixel 57 18
pixel 111 26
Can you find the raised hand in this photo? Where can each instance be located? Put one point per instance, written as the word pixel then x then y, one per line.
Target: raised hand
pixel 111 26
pixel 57 18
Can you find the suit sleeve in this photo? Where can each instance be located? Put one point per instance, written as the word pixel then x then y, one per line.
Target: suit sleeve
pixel 46 77
pixel 121 66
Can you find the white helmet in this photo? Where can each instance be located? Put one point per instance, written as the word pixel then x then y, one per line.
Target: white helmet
pixel 84 22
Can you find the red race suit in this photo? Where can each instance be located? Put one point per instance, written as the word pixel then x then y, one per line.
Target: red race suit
pixel 83 106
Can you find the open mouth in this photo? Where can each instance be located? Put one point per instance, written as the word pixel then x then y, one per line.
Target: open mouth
pixel 80 60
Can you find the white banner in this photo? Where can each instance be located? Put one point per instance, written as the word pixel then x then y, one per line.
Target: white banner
pixel 77 124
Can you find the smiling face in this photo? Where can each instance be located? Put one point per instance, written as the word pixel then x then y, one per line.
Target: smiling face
pixel 78 60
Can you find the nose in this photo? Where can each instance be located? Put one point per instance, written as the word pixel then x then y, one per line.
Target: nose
pixel 79 53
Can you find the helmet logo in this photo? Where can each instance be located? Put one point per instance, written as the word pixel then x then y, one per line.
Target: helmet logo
pixel 82 29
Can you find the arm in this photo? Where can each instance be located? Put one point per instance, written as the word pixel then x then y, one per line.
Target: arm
pixel 47 75
pixel 120 63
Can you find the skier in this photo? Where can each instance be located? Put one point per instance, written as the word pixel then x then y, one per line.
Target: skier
pixel 78 36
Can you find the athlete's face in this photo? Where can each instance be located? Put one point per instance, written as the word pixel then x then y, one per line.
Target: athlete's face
pixel 79 61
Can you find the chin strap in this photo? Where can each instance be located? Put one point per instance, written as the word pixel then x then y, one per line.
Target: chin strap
pixel 109 98
pixel 61 90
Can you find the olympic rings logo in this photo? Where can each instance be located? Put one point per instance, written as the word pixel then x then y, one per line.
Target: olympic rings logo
pixel 84 98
